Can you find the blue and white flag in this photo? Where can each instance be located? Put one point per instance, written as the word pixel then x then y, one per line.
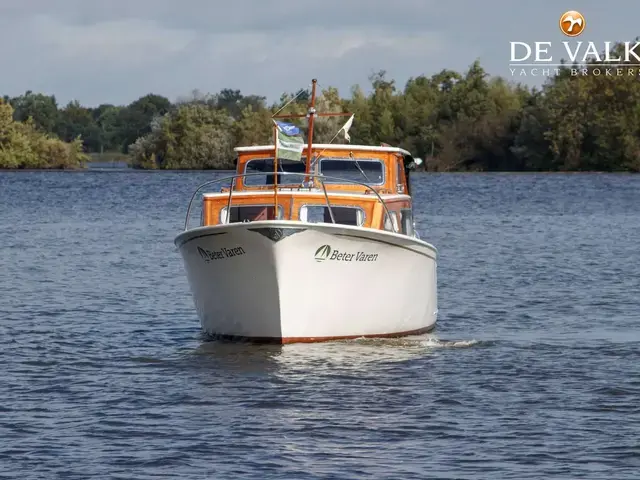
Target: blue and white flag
pixel 288 128
pixel 289 142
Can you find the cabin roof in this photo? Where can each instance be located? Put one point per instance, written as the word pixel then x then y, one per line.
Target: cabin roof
pixel 306 193
pixel 330 146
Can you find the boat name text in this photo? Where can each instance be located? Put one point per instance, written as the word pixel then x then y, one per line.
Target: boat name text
pixel 210 255
pixel 325 252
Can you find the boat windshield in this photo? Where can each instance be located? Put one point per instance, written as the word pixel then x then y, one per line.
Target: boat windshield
pixel 265 165
pixel 364 170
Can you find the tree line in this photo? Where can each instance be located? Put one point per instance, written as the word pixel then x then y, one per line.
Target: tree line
pixel 456 121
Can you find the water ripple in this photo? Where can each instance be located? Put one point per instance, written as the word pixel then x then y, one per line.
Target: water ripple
pixel 534 371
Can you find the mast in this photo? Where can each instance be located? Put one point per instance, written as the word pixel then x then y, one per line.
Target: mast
pixel 275 172
pixel 311 113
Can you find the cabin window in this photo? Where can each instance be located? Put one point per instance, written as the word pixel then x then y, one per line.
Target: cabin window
pixel 249 213
pixel 363 170
pixel 264 166
pixel 342 215
pixel 391 224
pixel 406 220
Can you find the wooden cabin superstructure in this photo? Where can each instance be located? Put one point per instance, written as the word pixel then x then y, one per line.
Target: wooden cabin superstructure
pixel 359 185
pixel 345 184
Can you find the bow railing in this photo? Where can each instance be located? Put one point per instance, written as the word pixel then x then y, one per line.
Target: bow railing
pixel 320 177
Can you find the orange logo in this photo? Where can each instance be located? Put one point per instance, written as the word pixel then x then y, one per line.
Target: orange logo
pixel 572 23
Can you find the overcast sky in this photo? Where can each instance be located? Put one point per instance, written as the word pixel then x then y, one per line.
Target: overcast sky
pixel 114 51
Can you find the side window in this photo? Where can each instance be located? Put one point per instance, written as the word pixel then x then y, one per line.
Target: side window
pixel 249 213
pixel 399 176
pixel 343 215
pixel 406 219
pixel 391 225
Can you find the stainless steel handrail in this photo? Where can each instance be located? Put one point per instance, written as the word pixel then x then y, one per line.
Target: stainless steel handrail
pixel 313 175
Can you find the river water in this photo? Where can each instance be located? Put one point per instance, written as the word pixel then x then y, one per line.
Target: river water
pixel 532 372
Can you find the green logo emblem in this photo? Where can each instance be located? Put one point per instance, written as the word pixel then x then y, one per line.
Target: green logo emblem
pixel 322 253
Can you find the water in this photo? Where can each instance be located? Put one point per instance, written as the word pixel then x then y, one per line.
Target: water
pixel 533 372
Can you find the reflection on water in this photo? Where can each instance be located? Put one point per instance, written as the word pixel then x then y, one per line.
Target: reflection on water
pixel 323 356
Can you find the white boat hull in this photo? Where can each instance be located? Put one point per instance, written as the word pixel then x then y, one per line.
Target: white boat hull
pixel 288 281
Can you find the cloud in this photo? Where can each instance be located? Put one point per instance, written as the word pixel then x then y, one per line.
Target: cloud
pixel 117 43
pixel 97 54
pixel 238 15
pixel 116 51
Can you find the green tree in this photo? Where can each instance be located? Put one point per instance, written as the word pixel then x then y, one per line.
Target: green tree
pixel 194 136
pixel 43 109
pixel 135 120
pixel 23 145
pixel 458 121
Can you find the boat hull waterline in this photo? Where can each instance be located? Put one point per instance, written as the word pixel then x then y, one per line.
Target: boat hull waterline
pixel 290 281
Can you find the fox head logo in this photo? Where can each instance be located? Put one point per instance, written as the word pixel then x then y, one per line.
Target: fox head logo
pixel 572 23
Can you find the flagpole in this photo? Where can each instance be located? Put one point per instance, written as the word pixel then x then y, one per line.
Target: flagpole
pixel 310 115
pixel 275 171
pixel 344 127
pixel 312 112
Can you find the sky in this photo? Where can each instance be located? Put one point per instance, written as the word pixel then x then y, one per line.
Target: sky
pixel 115 51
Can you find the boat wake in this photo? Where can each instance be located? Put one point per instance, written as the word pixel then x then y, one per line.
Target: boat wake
pixel 329 357
pixel 430 341
pixel 436 343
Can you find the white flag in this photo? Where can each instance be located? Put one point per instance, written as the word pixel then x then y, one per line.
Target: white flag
pixel 346 128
